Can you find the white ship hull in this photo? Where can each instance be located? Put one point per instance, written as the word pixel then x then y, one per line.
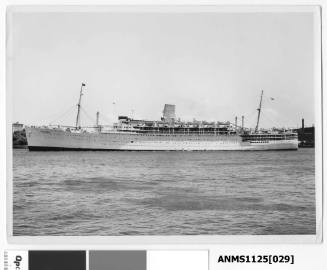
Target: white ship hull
pixel 43 139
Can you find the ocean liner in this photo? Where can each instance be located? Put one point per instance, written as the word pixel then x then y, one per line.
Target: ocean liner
pixel 168 134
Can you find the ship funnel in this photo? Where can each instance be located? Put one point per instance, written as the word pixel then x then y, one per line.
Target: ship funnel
pixel 169 113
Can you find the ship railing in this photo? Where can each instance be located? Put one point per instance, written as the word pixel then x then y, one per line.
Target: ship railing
pixel 171 132
pixel 271 137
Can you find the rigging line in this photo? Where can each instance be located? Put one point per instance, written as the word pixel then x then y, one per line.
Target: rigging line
pixel 288 121
pixel 62 115
pixel 88 116
pixel 250 119
pixel 275 123
pixel 253 115
pixel 68 116
pixel 85 109
pixel 89 120
pixel 271 101
pixel 57 114
pixel 107 119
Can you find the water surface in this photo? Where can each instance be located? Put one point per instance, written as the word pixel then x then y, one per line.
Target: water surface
pixel 163 193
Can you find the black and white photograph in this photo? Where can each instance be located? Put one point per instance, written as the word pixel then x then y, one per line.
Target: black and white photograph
pixel 164 122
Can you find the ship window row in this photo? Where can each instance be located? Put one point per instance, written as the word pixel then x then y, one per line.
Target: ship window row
pixel 123 137
pixel 268 138
pixel 145 143
pixel 184 140
pixel 212 134
pixel 197 135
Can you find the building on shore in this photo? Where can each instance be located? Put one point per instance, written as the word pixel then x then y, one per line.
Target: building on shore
pixel 17 127
pixel 306 136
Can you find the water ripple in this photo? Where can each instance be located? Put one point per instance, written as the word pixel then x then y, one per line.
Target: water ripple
pixel 163 193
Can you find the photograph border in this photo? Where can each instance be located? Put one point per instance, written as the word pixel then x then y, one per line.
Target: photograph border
pixel 173 239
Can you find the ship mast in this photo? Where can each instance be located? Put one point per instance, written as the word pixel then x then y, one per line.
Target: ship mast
pixel 78 120
pixel 259 112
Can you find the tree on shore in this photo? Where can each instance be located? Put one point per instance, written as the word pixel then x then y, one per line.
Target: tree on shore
pixel 19 138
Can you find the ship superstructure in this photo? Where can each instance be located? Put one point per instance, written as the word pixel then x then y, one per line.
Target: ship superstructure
pixel 168 133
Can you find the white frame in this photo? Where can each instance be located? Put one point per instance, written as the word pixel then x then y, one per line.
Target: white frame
pixel 173 240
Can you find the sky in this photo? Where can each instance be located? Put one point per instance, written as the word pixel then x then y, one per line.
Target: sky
pixel 212 66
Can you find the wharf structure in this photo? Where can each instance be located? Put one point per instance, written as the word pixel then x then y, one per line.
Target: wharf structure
pixel 306 136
